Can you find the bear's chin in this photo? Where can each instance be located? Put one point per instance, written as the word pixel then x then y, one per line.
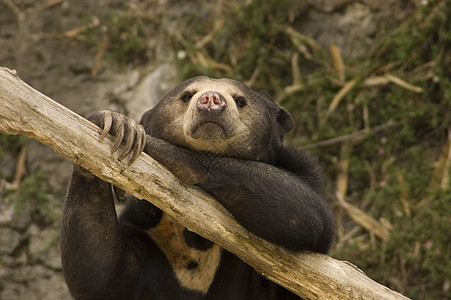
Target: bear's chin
pixel 208 143
pixel 209 131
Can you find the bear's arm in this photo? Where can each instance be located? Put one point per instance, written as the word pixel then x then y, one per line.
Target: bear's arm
pixel 95 260
pixel 97 256
pixel 271 202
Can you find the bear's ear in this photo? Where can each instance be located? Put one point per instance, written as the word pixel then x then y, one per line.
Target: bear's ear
pixel 285 120
pixel 283 117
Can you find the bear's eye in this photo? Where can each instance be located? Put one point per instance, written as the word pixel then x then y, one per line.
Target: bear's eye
pixel 186 96
pixel 240 101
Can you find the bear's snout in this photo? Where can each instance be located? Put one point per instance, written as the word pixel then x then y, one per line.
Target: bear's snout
pixel 211 101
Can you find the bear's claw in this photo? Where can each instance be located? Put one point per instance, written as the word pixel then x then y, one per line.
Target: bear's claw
pixel 107 122
pixel 123 129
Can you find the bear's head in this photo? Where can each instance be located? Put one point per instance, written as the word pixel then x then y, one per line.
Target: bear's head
pixel 220 116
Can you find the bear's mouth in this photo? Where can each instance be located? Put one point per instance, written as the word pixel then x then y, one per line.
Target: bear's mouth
pixel 209 130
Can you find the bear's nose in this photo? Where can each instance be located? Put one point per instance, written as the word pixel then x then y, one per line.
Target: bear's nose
pixel 211 101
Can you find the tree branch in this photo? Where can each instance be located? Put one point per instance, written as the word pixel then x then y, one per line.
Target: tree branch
pixel 25 111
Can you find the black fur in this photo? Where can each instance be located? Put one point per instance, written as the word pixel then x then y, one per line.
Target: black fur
pixel 273 191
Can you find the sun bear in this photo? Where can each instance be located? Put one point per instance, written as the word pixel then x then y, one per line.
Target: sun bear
pixel 225 138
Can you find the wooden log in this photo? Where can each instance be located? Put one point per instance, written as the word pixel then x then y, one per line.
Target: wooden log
pixel 26 111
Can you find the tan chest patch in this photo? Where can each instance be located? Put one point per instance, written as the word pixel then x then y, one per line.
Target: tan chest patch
pixel 194 269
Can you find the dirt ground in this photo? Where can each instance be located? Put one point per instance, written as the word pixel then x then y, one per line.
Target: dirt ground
pixel 46 42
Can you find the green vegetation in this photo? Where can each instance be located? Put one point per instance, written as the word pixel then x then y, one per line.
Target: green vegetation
pixel 10 143
pixel 32 195
pixel 380 122
pixel 381 127
pixel 127 38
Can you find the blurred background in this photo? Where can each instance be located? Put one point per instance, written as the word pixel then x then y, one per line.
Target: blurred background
pixel 368 83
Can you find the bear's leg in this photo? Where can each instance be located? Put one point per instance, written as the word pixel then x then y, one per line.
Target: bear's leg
pixel 96 260
pixel 92 249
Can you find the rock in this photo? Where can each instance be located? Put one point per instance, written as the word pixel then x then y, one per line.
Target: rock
pixel 6 210
pixel 7 164
pixel 44 246
pixel 57 169
pixel 9 241
pixel 345 28
pixel 33 283
pixel 150 90
pixel 20 215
